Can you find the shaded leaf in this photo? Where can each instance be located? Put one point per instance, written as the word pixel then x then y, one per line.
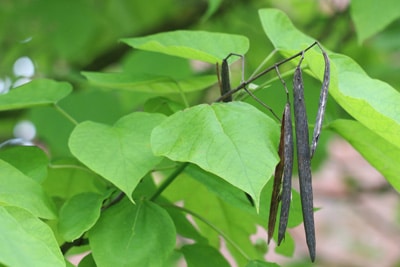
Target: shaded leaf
pixel 21 191
pixel 383 13
pixel 79 214
pixel 132 235
pixel 372 102
pixel 235 141
pixel 35 93
pixel 382 155
pixel 27 241
pixel 198 255
pixel 205 46
pixel 257 263
pixel 30 160
pixel 67 177
pixel 221 188
pixel 149 83
pixel 120 153
pixel 233 222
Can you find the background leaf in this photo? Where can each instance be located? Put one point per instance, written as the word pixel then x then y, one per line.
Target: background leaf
pixel 382 155
pixel 149 83
pixel 120 153
pixel 35 93
pixel 197 255
pixel 27 241
pixel 222 139
pixel 21 191
pixel 79 214
pixel 127 234
pixel 205 46
pixel 383 13
pixel 30 160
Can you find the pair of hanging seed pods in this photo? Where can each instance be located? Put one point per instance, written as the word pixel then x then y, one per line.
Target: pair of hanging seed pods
pixel 283 172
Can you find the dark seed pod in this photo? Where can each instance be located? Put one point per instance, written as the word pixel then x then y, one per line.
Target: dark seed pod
pixel 276 188
pixel 304 160
pixel 322 104
pixel 287 172
pixel 225 81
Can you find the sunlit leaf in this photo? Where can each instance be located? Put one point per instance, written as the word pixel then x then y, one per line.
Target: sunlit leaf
pixel 132 235
pixel 372 102
pixel 234 141
pixel 205 46
pixel 120 153
pixel 27 241
pixel 35 93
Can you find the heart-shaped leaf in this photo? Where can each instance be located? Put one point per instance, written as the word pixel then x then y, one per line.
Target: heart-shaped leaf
pixel 133 235
pixel 35 93
pixel 235 141
pixel 120 153
pixel 205 46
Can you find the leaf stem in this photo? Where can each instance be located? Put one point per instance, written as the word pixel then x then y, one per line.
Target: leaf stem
pixel 169 180
pixel 215 228
pixel 65 114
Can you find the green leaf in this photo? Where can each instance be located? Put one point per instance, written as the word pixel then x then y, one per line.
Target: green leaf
pixel 383 13
pixel 257 263
pixel 120 153
pixel 26 240
pixel 30 160
pixel 149 83
pixel 379 153
pixel 21 191
pixel 79 214
pixel 162 105
pixel 183 226
pixel 35 93
pixel 132 235
pixel 235 141
pixel 205 46
pixel 87 261
pixel 372 102
pixel 68 177
pixel 221 188
pixel 198 255
pixel 236 224
pixel 213 6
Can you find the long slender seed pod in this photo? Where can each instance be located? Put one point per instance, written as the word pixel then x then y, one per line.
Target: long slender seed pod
pixel 322 103
pixel 276 188
pixel 225 81
pixel 287 172
pixel 304 160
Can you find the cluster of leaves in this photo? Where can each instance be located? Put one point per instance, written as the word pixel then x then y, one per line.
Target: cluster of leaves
pixel 202 156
